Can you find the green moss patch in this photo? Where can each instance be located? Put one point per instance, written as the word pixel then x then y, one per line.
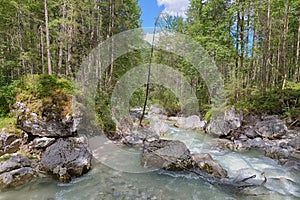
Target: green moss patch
pixel 46 94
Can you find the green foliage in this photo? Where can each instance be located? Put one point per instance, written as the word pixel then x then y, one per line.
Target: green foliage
pixel 41 92
pixel 9 123
pixel 138 98
pixel 41 86
pixel 6 122
pixel 213 111
pixel 280 102
pixel 166 98
pixel 5 157
pixel 103 111
pixel 7 97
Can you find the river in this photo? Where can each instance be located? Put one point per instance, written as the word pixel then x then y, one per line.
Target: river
pixel 103 182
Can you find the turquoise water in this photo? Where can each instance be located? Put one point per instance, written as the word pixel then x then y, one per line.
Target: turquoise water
pixel 104 182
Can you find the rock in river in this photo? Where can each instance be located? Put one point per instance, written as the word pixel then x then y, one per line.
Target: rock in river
pixel 167 154
pixel 67 157
pixel 206 163
pixel 192 122
pixel 174 155
pixel 15 171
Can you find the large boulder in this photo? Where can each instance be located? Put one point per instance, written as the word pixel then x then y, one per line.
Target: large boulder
pixel 224 124
pixel 219 127
pixel 234 118
pixel 175 156
pixel 31 123
pixel 167 154
pixel 139 135
pixel 271 128
pixel 16 171
pixel 206 163
pixel 9 143
pixel 67 157
pixel 50 120
pixel 160 127
pixel 193 122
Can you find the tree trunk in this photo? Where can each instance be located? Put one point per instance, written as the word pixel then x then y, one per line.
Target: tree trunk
pixel 42 49
pixel 297 70
pixel 285 31
pixel 70 43
pixel 110 32
pixel 62 35
pixel 47 38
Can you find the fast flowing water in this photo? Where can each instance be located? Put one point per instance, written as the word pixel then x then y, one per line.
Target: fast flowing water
pixel 103 182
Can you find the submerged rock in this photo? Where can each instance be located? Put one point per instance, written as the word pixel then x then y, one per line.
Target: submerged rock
pixel 206 163
pixel 66 158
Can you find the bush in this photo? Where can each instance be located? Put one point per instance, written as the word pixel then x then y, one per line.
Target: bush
pixel 103 111
pixel 7 97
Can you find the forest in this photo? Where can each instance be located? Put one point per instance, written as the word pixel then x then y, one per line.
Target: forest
pixel 255 45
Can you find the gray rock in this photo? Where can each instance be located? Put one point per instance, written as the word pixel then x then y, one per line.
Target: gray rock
pixel 66 158
pixel 233 118
pixel 9 143
pixel 295 155
pixel 160 127
pixel 206 163
pixel 271 129
pixel 250 133
pixel 16 177
pixel 42 142
pixel 174 155
pixel 218 127
pixel 270 117
pixel 31 123
pixel 51 124
pixel 225 144
pixel 257 143
pixel 276 153
pixel 167 154
pixel 156 110
pixel 226 123
pixel 193 122
pixel 144 134
pixel 243 137
pixel 125 126
pixel 16 171
pixel 14 162
pixel 133 140
pixel 295 143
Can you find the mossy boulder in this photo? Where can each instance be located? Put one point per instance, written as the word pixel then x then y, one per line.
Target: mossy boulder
pixel 45 106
